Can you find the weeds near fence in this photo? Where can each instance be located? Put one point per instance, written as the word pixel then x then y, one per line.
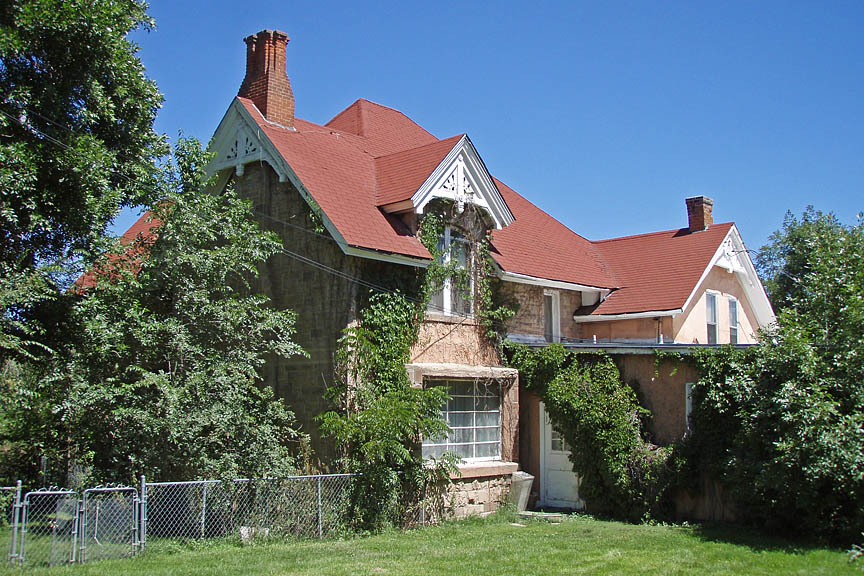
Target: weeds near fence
pixel 51 527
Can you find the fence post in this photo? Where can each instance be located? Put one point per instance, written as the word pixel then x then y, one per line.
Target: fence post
pixel 203 508
pixel 16 511
pixel 76 525
pixel 320 527
pixel 423 506
pixel 82 530
pixel 142 515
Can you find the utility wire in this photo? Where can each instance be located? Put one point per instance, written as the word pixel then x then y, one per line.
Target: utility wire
pixel 289 253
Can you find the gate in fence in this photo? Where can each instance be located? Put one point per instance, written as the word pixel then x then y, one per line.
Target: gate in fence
pixel 50 527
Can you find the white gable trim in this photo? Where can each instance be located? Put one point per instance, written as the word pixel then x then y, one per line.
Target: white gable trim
pixel 239 140
pixel 546 283
pixel 733 256
pixel 462 177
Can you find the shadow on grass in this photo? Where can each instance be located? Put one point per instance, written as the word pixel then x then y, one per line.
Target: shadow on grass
pixel 757 541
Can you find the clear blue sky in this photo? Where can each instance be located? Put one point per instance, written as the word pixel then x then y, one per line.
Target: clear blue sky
pixel 605 114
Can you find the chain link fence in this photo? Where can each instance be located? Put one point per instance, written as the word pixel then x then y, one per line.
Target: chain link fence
pixel 51 527
pixel 297 506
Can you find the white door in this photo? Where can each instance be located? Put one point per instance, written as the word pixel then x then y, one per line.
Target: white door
pixel 559 485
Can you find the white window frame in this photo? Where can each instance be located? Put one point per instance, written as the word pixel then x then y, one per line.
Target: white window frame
pixel 444 412
pixel 556 314
pixel 708 322
pixel 447 288
pixel 733 326
pixel 688 405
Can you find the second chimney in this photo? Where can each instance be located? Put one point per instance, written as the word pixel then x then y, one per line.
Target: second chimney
pixel 266 82
pixel 699 213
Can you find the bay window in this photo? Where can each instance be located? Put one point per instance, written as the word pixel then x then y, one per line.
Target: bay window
pixel 473 414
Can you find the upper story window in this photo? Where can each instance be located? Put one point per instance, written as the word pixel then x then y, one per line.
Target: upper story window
pixel 473 414
pixel 733 321
pixel 711 307
pixel 455 297
pixel 552 316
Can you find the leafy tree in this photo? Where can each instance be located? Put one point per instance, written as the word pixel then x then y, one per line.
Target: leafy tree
pixel 379 418
pixel 76 144
pixel 76 136
pixel 783 424
pixel 160 372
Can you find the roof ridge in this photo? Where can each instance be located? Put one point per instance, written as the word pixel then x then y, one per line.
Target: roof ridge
pixel 436 143
pixel 657 233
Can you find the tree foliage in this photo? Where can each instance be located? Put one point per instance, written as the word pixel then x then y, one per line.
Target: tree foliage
pixel 782 424
pixel 601 420
pixel 76 135
pixel 158 371
pixel 379 417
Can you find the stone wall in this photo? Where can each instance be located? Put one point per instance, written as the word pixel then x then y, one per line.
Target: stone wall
pixel 484 495
pixel 324 303
pixel 530 317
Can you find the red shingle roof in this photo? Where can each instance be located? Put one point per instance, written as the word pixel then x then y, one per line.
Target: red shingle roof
pixel 401 174
pixel 369 155
pixel 144 228
pixel 657 271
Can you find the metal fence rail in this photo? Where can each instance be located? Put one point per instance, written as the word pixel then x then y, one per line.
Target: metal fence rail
pixel 298 506
pixel 50 527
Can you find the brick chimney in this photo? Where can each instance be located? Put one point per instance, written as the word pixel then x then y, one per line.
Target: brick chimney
pixel 266 82
pixel 699 213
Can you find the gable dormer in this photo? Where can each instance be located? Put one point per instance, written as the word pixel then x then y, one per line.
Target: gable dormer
pixel 449 169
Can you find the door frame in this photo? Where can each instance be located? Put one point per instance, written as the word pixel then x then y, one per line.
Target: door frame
pixel 544 437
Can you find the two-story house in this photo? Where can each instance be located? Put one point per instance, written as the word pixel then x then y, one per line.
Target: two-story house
pixel 347 197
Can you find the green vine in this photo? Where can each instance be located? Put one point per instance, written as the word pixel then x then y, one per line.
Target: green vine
pixel 600 418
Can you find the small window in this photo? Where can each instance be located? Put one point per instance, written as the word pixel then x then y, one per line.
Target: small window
pixel 473 414
pixel 733 321
pixel 711 305
pixel 688 403
pixel 559 444
pixel 454 297
pixel 551 316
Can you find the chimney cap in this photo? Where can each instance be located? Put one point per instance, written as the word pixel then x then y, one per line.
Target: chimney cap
pixel 267 32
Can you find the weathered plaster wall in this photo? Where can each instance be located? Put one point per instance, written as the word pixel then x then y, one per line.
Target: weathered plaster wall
pixel 529 439
pixel 530 317
pixel 691 327
pixel 642 329
pixel 661 389
pixel 453 339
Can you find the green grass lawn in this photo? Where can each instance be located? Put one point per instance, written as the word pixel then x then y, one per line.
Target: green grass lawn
pixel 578 545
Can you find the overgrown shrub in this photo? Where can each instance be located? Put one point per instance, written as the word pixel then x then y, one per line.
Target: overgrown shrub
pixel 600 418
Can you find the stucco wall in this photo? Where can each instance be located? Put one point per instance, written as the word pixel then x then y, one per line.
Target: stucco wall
pixel 530 317
pixel 640 329
pixel 691 327
pixel 453 339
pixel 660 389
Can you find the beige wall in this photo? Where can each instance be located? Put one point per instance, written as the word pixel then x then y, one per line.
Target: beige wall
pixel 643 329
pixel 691 326
pixel 662 390
pixel 454 340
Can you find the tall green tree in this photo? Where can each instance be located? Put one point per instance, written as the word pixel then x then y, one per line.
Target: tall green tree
pixel 76 144
pixel 158 371
pixel 76 128
pixel 782 425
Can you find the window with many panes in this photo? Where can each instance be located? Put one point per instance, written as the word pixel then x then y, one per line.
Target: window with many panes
pixel 454 297
pixel 711 305
pixel 473 414
pixel 733 321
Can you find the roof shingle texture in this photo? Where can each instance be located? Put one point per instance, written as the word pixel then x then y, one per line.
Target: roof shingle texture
pixel 370 155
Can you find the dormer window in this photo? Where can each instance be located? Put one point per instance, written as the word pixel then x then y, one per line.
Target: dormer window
pixel 455 296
